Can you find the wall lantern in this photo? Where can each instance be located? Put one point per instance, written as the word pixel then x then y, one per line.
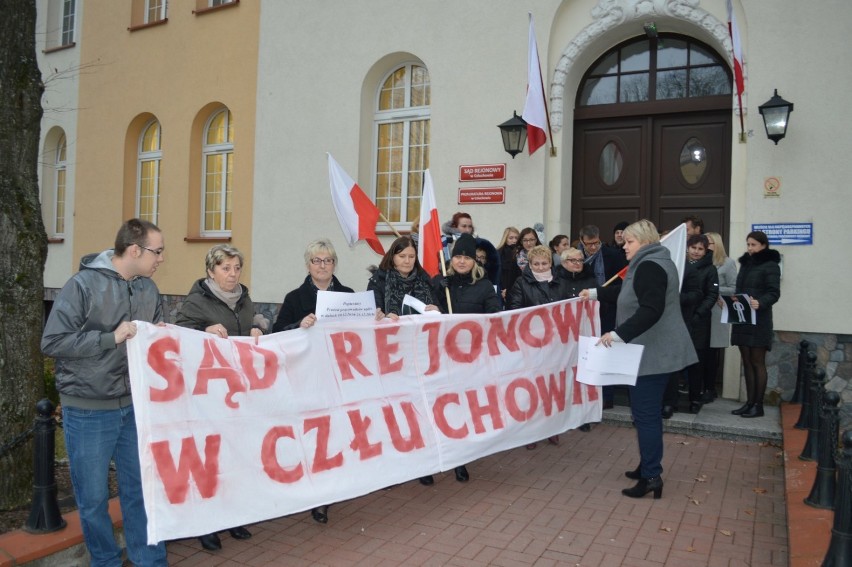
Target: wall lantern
pixel 776 113
pixel 514 131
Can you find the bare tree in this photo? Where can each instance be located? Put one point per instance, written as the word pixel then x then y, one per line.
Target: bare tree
pixel 23 246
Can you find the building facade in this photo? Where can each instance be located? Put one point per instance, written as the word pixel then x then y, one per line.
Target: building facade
pixel 213 118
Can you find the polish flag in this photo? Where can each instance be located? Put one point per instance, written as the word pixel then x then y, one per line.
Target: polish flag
pixel 675 243
pixel 355 211
pixel 535 107
pixel 738 49
pixel 429 245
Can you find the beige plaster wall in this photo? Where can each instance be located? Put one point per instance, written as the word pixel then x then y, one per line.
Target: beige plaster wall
pixel 173 71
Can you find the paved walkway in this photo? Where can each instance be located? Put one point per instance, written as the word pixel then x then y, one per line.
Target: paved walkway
pixel 722 505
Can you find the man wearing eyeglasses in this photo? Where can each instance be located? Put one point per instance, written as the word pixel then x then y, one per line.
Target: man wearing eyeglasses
pixel 92 318
pixel 605 262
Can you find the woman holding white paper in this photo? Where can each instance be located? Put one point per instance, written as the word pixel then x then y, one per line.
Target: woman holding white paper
pixel 299 306
pixel 400 274
pixel 301 303
pixel 760 278
pixel 720 333
pixel 648 314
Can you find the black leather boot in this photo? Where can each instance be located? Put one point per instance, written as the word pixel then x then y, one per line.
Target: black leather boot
pixel 754 411
pixel 635 474
pixel 240 533
pixel 428 480
pixel 667 412
pixel 644 486
pixel 320 514
pixel 739 411
pixel 210 542
pixel 461 474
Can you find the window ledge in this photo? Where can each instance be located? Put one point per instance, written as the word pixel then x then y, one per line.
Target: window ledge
pixel 55 240
pixel 60 48
pixel 203 11
pixel 207 239
pixel 148 25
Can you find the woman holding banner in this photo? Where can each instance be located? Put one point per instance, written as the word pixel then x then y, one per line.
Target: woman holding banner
pixel 219 304
pixel 760 278
pixel 648 314
pixel 298 309
pixel 469 292
pixel 400 274
pixel 537 286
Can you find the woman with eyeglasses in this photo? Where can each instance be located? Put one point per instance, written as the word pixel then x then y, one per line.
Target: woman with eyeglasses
pixel 529 240
pixel 219 304
pixel 575 271
pixel 299 306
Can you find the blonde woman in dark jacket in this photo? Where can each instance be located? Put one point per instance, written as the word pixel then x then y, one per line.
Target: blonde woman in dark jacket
pixel 219 304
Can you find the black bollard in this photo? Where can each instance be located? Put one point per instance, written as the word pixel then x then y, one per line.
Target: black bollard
pixel 800 372
pixel 811 450
pixel 822 494
pixel 840 549
pixel 44 513
pixel 807 373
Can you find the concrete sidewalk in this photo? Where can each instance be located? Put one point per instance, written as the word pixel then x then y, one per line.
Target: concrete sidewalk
pixel 722 505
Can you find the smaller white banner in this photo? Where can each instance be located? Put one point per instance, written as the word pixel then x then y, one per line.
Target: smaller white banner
pixel 736 310
pixel 338 305
pixel 598 365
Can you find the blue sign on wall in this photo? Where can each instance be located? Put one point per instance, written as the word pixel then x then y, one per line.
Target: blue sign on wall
pixel 789 233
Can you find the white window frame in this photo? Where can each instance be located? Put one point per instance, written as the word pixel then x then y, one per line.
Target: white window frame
pixel 406 115
pixel 160 6
pixel 224 149
pixel 69 19
pixel 60 170
pixel 144 157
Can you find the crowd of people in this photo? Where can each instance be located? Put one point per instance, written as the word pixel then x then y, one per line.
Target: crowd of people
pixel 679 324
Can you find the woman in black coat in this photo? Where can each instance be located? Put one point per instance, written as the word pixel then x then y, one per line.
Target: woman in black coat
pixel 760 278
pixel 537 286
pixel 699 323
pixel 577 274
pixel 470 292
pixel 299 306
pixel 400 274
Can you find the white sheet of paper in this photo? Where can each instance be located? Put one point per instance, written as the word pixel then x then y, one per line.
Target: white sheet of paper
pixel 339 305
pixel 413 303
pixel 727 315
pixel 602 366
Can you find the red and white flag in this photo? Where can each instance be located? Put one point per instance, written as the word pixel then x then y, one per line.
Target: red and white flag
pixel 738 49
pixel 429 244
pixel 535 107
pixel 355 211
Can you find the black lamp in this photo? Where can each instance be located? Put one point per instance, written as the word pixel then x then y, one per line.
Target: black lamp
pixel 776 113
pixel 514 131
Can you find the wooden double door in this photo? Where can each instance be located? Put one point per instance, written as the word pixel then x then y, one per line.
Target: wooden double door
pixel 660 167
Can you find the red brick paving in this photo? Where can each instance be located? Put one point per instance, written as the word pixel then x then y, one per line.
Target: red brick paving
pixel 723 505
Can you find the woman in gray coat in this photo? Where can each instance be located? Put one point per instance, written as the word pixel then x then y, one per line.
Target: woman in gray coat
pixel 720 333
pixel 648 314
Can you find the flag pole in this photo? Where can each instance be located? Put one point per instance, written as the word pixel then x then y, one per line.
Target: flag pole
pixel 384 218
pixel 444 271
pixel 543 92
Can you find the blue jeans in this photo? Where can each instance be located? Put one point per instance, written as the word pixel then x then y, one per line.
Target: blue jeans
pixel 93 438
pixel 646 400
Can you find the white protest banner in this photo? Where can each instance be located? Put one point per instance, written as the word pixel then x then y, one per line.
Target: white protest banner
pixel 339 305
pixel 232 432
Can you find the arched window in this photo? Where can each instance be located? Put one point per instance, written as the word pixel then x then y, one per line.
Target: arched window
pixel 148 173
pixel 217 174
pixel 60 171
pixel 402 141
pixel 648 70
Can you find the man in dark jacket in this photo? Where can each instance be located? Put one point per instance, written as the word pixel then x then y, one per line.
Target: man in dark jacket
pixel 605 262
pixel 91 319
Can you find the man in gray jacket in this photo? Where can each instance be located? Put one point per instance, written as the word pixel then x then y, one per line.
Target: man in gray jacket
pixel 91 319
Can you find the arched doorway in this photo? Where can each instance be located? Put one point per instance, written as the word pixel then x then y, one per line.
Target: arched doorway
pixel 652 135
